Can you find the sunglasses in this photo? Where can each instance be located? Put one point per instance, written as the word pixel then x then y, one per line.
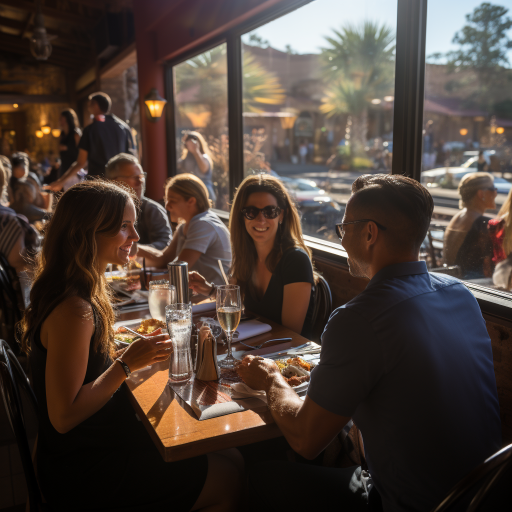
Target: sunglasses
pixel 269 212
pixel 340 228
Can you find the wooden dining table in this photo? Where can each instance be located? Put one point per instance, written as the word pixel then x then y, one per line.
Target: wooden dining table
pixel 173 426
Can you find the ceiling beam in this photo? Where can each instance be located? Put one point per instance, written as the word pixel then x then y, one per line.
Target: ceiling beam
pixel 95 4
pixel 21 46
pixel 26 31
pixel 20 99
pixel 30 19
pixel 57 14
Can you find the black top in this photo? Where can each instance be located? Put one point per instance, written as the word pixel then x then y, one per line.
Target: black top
pixel 70 155
pixel 107 462
pixel 104 139
pixel 477 246
pixel 294 267
pixel 153 224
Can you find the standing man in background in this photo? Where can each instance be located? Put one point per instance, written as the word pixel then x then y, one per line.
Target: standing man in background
pixel 105 137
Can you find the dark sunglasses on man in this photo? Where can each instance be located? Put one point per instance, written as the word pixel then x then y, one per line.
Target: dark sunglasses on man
pixel 269 212
pixel 340 230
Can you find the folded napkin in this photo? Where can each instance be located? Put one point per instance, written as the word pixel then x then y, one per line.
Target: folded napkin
pixel 242 390
pixel 203 306
pixel 251 328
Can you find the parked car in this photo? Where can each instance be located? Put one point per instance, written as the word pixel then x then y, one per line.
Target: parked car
pixel 449 178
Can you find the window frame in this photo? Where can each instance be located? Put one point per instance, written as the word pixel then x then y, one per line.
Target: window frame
pixel 407 118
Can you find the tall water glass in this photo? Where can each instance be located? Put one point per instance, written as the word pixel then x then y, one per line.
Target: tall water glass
pixel 229 308
pixel 179 324
pixel 161 294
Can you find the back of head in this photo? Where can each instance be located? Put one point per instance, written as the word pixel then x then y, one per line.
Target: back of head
pixel 116 162
pixel 187 186
pixel 25 192
pixel 290 233
pixel 67 264
pixel 471 183
pixel 399 203
pixel 20 159
pixel 102 100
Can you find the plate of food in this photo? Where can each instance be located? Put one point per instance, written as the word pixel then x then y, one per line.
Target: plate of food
pixel 296 372
pixel 146 327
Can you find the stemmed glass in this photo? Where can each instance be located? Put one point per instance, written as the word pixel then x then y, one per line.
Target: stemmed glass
pixel 161 294
pixel 229 309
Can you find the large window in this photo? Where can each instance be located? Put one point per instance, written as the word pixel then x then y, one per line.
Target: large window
pixel 201 117
pixel 318 88
pixel 468 128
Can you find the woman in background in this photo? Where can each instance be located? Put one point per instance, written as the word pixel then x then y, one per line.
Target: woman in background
pixel 201 239
pixel 466 240
pixel 271 262
pixel 196 159
pixel 69 138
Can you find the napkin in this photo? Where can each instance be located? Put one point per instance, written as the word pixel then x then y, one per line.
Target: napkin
pixel 203 306
pixel 242 390
pixel 251 328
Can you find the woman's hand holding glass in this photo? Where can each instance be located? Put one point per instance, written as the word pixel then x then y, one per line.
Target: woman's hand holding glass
pixel 147 351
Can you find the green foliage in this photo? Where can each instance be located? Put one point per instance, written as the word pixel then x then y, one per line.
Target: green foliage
pixel 358 65
pixel 483 42
pixel 361 163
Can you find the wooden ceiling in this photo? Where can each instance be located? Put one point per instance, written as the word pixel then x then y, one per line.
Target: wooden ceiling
pixel 72 21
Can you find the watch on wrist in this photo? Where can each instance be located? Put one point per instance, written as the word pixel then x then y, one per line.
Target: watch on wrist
pixel 126 368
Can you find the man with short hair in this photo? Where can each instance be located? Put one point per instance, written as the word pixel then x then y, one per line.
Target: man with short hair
pixel 152 223
pixel 104 138
pixel 408 359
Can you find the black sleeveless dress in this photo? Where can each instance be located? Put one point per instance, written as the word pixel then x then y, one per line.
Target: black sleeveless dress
pixel 70 155
pixel 108 462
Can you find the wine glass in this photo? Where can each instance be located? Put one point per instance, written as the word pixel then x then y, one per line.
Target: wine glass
pixel 161 294
pixel 229 309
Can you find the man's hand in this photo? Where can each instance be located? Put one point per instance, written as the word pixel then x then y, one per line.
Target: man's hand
pixel 258 373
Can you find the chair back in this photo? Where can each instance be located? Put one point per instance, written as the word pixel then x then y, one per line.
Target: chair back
pixel 481 483
pixel 12 377
pixel 322 308
pixel 10 311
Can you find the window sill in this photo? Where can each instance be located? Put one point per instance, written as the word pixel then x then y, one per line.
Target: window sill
pixel 495 304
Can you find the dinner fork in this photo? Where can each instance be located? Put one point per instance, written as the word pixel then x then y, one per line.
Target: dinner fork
pixel 256 347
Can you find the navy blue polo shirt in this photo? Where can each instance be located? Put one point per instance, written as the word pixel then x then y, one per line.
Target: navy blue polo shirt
pixel 410 360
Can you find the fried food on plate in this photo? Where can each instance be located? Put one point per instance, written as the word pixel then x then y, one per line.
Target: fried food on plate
pixel 150 325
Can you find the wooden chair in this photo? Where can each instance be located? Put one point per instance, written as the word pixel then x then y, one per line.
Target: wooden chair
pixel 485 486
pixel 12 377
pixel 322 307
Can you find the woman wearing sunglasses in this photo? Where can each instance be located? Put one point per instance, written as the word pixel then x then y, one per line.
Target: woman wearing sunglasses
pixel 201 239
pixel 271 262
pixel 466 240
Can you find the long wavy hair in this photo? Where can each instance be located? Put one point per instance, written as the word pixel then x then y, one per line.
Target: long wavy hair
pixel 288 235
pixel 72 119
pixel 67 265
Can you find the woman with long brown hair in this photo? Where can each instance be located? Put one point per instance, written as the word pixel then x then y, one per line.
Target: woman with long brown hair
pixel 92 452
pixel 196 159
pixel 70 134
pixel 271 262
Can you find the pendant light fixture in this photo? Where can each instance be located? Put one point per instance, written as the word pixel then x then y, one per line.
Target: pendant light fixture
pixel 40 45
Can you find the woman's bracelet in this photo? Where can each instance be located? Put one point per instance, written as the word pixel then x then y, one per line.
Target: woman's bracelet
pixel 214 289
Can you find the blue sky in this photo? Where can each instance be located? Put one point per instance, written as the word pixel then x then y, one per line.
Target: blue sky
pixel 304 28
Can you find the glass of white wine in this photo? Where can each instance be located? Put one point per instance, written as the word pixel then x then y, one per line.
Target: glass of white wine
pixel 229 308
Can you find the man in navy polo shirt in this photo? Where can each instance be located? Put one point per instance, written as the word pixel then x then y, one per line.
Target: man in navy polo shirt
pixel 409 359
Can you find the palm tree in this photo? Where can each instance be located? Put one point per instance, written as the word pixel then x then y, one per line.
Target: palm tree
pixel 261 87
pixel 358 65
